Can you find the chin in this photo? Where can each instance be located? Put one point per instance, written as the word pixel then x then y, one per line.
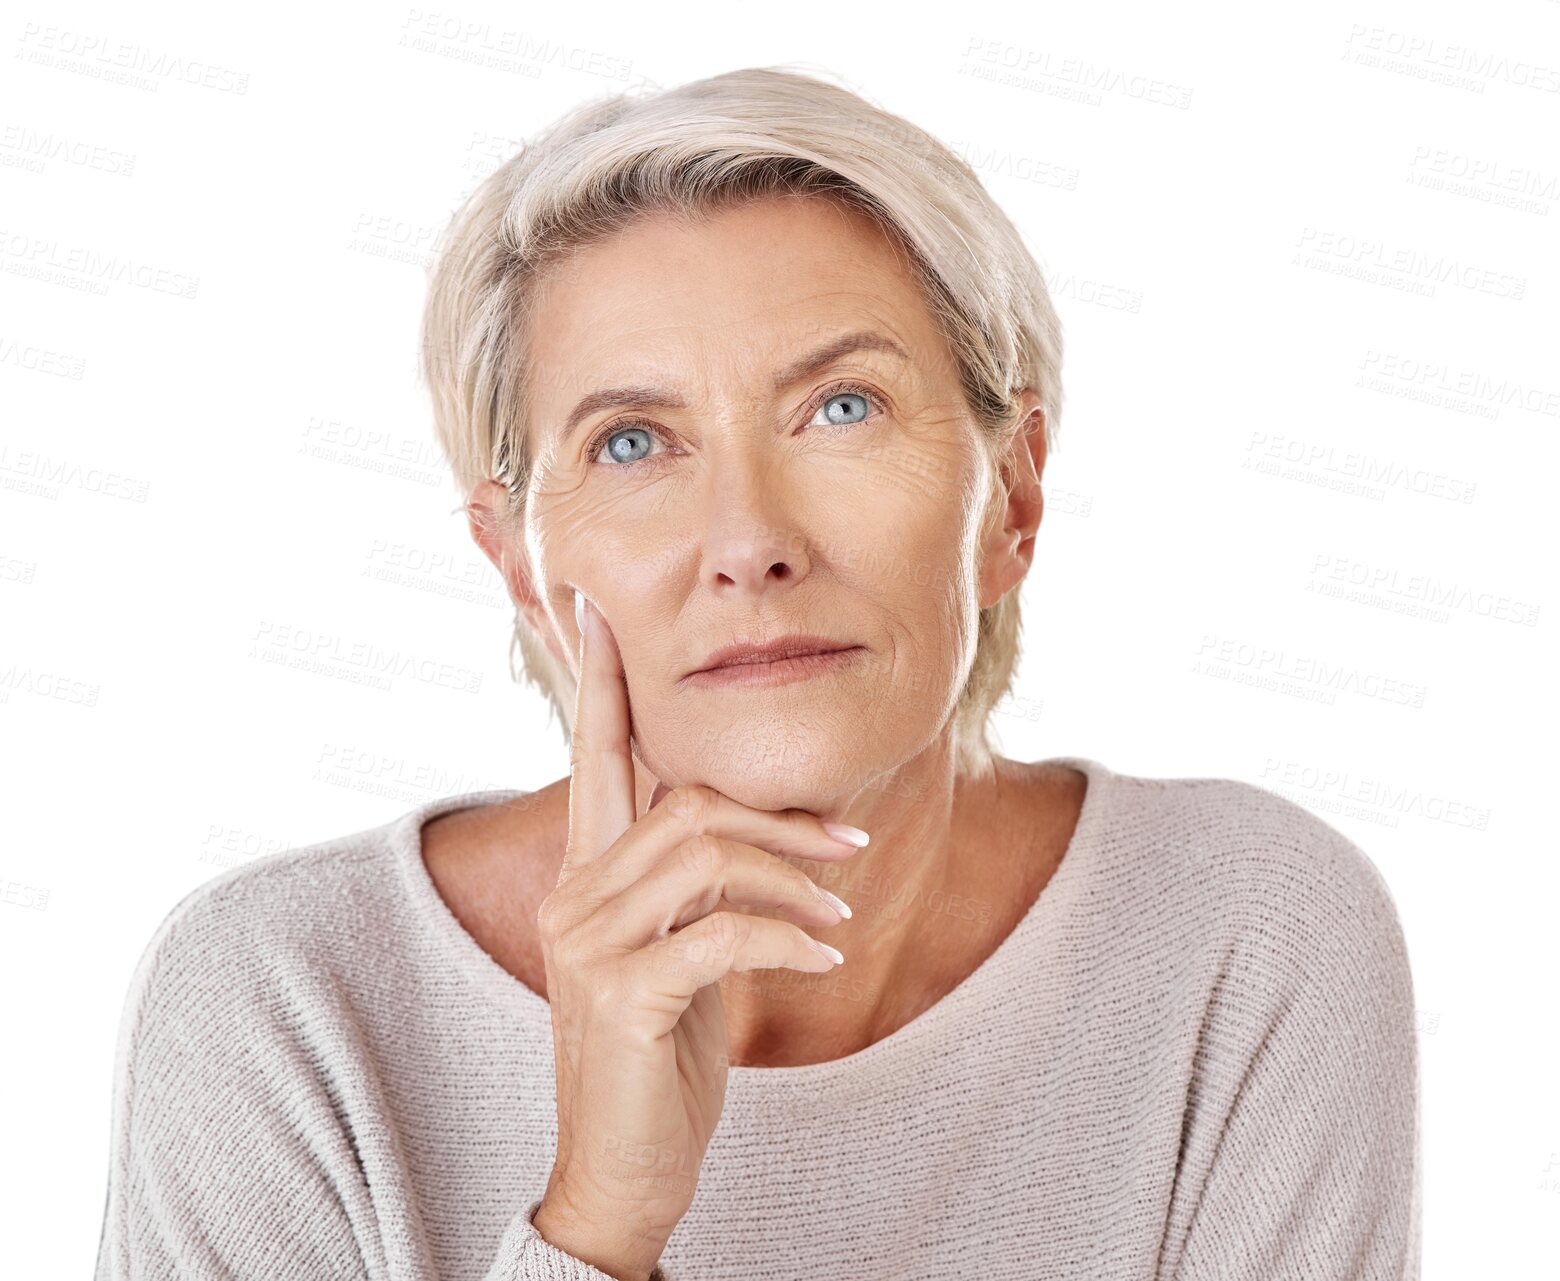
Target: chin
pixel 772 767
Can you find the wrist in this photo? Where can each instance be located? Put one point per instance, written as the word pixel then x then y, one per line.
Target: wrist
pixel 614 1247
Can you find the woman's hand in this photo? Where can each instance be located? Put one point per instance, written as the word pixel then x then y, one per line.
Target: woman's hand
pixel 642 925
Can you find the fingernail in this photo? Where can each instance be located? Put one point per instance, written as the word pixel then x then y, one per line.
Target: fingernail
pixel 845 832
pixel 579 609
pixel 828 951
pixel 838 904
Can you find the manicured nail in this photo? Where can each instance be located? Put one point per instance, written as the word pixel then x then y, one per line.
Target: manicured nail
pixel 579 609
pixel 827 950
pixel 838 904
pixel 845 832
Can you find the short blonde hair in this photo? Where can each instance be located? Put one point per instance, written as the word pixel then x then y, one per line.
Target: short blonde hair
pixel 747 134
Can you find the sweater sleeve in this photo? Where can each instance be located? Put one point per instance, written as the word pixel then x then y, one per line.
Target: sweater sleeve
pixel 1315 1175
pixel 524 1244
pixel 234 1155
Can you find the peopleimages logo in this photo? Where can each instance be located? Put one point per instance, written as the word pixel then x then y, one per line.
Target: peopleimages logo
pixel 109 58
pixel 360 662
pixel 80 266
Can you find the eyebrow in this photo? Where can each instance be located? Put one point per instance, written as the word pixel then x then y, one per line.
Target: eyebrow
pixel 655 398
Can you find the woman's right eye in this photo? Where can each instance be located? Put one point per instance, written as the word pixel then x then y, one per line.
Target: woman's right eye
pixel 623 444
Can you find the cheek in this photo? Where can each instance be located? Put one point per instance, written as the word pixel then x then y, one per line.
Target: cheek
pixel 628 566
pixel 915 532
pixel 899 555
pixel 940 545
pixel 574 537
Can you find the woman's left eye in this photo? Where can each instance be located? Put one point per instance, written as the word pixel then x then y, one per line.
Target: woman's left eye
pixel 838 408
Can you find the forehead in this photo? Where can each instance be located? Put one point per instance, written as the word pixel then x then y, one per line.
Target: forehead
pixel 731 294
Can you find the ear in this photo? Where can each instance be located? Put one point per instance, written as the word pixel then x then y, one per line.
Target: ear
pixel 1010 546
pixel 482 509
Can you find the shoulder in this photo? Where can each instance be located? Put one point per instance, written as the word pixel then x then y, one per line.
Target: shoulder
pixel 246 1057
pixel 1281 958
pixel 227 939
pixel 1250 837
pixel 237 1005
pixel 337 924
pixel 1247 862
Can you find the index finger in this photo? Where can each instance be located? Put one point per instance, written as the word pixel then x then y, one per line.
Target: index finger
pixel 601 764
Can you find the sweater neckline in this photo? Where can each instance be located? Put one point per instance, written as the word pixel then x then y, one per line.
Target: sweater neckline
pixel 514 999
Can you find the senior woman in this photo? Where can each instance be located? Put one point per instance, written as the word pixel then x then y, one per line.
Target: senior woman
pixel 749 388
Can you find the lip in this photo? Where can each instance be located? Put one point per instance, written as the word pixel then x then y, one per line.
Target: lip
pixel 776 671
pixel 747 653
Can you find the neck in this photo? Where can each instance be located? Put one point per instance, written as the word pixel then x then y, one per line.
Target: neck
pixel 931 896
pixel 953 865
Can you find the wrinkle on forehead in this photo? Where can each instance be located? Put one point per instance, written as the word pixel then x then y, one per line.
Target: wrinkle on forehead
pixel 607 313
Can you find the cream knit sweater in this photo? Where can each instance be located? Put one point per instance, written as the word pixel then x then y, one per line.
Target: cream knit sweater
pixel 1194 1058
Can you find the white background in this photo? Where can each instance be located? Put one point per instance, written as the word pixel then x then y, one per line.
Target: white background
pixel 1299 525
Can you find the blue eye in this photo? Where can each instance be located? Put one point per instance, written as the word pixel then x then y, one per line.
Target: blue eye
pixel 624 443
pixel 629 442
pixel 830 410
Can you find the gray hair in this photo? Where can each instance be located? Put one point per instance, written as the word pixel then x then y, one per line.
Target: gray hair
pixel 747 134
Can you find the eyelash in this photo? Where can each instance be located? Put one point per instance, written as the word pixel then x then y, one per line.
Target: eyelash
pixel 828 394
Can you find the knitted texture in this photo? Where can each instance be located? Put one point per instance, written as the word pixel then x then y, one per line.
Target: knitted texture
pixel 1194 1059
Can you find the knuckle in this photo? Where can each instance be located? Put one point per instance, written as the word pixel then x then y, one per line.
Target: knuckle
pixel 803 824
pixel 580 750
pixel 799 885
pixel 724 932
pixel 692 804
pixel 550 918
pixel 704 856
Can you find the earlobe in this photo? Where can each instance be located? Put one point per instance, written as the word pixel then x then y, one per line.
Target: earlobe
pixel 482 521
pixel 487 533
pixel 1010 549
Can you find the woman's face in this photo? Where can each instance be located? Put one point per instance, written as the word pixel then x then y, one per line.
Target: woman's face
pixel 797 458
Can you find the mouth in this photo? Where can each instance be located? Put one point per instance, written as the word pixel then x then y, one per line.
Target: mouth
pixel 774 662
pixel 747 655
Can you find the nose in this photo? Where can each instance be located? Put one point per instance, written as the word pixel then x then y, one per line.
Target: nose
pixel 752 545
